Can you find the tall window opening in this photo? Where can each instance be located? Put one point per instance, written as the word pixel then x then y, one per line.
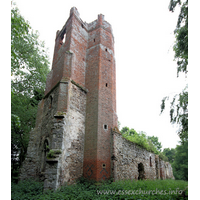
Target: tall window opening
pixel 51 100
pixel 150 162
pixel 45 150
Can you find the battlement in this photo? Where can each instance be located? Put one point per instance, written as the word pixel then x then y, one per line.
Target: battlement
pixel 100 21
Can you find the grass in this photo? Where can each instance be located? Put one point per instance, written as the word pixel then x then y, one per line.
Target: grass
pixel 84 189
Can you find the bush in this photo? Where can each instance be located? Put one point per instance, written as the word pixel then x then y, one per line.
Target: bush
pixel 28 189
pixel 141 140
pixel 89 190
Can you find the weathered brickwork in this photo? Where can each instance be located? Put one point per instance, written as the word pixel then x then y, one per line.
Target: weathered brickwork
pixel 72 136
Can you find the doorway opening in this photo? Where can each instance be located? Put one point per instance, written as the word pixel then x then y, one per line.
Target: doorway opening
pixel 141 171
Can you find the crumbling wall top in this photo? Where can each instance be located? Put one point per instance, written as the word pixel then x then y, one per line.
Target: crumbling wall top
pixel 75 11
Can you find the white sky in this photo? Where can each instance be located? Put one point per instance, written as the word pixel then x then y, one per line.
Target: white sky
pixel 146 72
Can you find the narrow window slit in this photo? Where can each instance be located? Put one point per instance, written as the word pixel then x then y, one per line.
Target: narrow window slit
pixel 150 162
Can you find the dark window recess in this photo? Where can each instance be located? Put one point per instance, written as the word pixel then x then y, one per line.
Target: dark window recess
pixel 105 126
pixel 106 84
pixel 94 40
pixel 141 171
pixel 51 100
pixel 150 162
pixel 109 60
pixel 82 26
pixel 106 49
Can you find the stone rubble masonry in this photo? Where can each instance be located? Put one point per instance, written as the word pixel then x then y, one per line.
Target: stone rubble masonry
pixel 78 113
pixel 126 159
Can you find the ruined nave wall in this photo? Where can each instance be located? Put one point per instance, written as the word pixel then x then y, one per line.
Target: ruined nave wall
pixel 130 161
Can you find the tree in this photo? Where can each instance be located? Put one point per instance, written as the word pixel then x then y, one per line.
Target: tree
pixel 29 68
pixel 126 130
pixel 179 104
pixel 155 142
pixel 29 61
pixel 180 164
pixel 170 154
pixel 179 113
pixel 181 33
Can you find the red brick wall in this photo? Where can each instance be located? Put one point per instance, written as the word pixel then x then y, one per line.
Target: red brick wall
pixel 91 129
pixel 100 108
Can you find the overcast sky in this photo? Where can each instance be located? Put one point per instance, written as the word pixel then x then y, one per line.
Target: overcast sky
pixel 143 34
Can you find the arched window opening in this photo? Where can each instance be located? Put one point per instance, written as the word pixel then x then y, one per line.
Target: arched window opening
pixel 45 150
pixel 51 101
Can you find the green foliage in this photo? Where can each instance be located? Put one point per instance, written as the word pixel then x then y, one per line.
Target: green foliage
pixel 181 33
pixel 140 139
pixel 28 189
pixel 180 164
pixel 150 143
pixel 29 68
pixel 169 153
pixel 163 157
pixel 155 142
pixel 52 153
pixel 84 189
pixel 179 113
pixel 29 61
pixel 179 104
pixel 126 130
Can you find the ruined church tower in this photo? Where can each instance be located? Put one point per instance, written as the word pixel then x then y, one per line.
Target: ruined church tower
pixel 76 131
pixel 72 136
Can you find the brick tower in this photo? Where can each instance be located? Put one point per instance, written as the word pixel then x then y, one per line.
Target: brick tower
pixel 78 111
pixel 101 100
